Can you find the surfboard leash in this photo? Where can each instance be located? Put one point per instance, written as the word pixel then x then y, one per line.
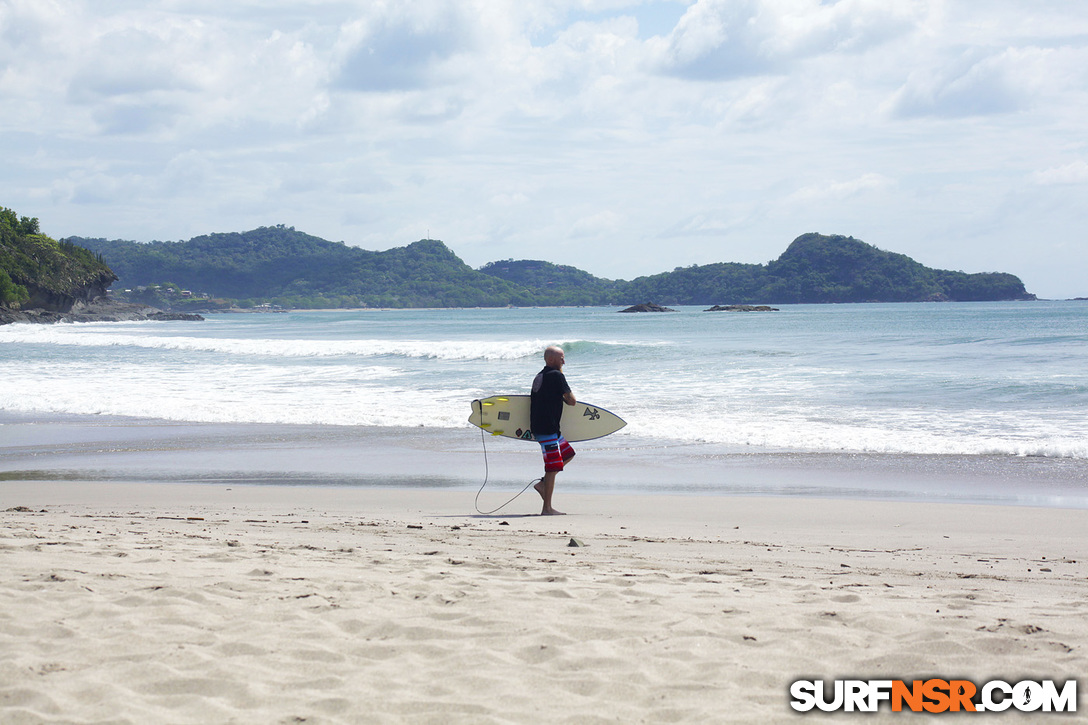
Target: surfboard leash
pixel 487 472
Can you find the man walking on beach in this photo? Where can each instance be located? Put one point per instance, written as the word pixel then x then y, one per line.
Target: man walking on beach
pixel 550 392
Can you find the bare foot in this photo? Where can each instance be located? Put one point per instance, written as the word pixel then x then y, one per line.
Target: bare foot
pixel 551 512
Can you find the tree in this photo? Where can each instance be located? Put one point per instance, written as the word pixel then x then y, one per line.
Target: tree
pixel 11 293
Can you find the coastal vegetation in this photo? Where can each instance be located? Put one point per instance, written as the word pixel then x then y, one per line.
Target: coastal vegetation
pixel 817 268
pixel 37 271
pixel 279 265
pixel 557 281
pixel 282 266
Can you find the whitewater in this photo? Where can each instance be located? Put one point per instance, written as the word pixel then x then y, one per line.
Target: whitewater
pixel 1004 379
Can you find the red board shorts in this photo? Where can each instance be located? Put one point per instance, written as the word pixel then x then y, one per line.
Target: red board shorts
pixel 556 451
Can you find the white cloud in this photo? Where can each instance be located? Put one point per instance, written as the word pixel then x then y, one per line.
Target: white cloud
pixel 570 126
pixel 507 200
pixel 998 82
pixel 840 190
pixel 723 39
pixel 698 225
pixel 136 61
pixel 1075 172
pixel 188 172
pixel 603 222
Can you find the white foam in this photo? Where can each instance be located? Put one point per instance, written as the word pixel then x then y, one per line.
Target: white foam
pixel 674 389
pixel 336 395
pixel 1011 435
pixel 63 335
pixel 383 395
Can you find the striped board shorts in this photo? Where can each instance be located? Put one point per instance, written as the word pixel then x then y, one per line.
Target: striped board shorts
pixel 556 451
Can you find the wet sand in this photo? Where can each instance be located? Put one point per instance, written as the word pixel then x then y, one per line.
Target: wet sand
pixel 109 449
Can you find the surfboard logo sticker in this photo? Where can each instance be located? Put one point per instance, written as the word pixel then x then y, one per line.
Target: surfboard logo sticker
pixel 593 413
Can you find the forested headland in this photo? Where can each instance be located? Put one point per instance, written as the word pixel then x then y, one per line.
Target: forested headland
pixel 815 269
pixel 279 265
pixel 39 272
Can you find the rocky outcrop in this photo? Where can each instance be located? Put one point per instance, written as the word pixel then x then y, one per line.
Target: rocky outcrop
pixel 648 307
pixel 43 280
pixel 99 310
pixel 182 316
pixel 69 297
pixel 741 308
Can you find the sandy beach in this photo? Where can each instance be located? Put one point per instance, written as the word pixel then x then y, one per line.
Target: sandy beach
pixel 138 603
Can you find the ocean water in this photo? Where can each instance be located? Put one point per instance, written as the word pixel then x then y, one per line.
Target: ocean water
pixel 966 381
pixel 981 378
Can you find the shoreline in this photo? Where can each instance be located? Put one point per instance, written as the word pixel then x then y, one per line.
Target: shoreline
pixel 191 603
pixel 100 309
pixel 45 448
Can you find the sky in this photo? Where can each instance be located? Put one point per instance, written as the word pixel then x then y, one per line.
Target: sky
pixel 621 137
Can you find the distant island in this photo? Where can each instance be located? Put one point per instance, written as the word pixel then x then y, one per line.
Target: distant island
pixel 279 266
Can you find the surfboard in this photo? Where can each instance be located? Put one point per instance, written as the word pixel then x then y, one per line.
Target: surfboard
pixel 508 416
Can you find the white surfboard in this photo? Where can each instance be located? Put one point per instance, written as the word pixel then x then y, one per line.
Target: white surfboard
pixel 508 416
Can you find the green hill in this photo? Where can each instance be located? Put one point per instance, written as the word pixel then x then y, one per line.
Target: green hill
pixel 816 268
pixel 559 283
pixel 39 272
pixel 284 266
pixel 279 264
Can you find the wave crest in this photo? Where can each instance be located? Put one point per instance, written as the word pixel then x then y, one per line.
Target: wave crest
pixel 288 348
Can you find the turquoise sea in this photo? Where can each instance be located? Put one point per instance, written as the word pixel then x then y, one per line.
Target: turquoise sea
pixel 933 393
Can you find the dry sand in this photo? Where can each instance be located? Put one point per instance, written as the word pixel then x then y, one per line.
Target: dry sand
pixel 210 604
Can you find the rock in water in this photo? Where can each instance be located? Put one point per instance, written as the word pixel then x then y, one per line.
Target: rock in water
pixel 648 307
pixel 741 308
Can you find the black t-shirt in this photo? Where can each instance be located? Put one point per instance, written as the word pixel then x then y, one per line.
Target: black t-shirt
pixel 546 401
